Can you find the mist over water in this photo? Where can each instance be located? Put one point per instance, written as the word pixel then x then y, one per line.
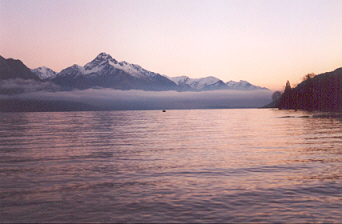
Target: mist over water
pixel 110 99
pixel 228 165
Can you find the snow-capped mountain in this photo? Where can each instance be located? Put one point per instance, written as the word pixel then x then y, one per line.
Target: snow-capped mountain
pixel 44 73
pixel 212 83
pixel 207 83
pixel 104 59
pixel 105 71
pixel 243 85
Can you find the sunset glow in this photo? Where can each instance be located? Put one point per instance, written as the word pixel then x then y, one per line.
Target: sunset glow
pixel 263 42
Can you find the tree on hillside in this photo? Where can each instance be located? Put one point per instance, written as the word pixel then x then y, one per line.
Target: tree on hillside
pixel 308 76
pixel 287 87
pixel 288 99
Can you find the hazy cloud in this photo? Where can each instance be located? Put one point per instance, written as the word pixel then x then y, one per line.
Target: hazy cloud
pixel 17 86
pixel 111 99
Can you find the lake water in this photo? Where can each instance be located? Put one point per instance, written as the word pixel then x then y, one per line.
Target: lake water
pixel 234 165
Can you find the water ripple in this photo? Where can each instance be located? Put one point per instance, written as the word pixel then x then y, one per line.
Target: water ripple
pixel 179 166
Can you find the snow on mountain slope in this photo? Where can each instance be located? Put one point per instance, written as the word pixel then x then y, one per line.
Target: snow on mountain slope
pixel 197 84
pixel 105 71
pixel 44 72
pixel 212 83
pixel 242 85
pixel 179 80
pixel 99 61
pixel 104 60
pixel 72 71
pixel 200 83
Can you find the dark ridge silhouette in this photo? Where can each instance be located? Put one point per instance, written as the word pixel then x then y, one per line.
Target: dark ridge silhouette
pixel 13 69
pixel 315 93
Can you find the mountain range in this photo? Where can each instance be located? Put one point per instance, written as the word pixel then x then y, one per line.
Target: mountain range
pixel 104 71
pixel 98 85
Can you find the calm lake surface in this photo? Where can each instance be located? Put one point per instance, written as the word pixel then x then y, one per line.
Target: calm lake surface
pixel 234 165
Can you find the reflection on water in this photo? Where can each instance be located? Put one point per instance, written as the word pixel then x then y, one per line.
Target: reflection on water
pixel 182 165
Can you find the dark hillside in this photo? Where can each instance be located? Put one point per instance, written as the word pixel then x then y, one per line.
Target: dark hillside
pixel 322 92
pixel 13 69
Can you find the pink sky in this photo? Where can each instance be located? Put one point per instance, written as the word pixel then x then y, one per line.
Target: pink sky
pixel 264 42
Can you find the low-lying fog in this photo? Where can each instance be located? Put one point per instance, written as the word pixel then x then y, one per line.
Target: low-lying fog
pixel 110 99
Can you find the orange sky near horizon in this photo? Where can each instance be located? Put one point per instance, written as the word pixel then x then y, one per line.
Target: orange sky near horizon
pixel 263 42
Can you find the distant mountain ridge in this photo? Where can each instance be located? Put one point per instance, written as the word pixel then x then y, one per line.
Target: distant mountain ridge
pixel 213 83
pixel 44 73
pixel 207 83
pixel 106 72
pixel 243 85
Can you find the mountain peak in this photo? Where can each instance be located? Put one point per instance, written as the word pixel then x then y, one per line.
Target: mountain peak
pixel 199 83
pixel 44 72
pixel 243 85
pixel 101 58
